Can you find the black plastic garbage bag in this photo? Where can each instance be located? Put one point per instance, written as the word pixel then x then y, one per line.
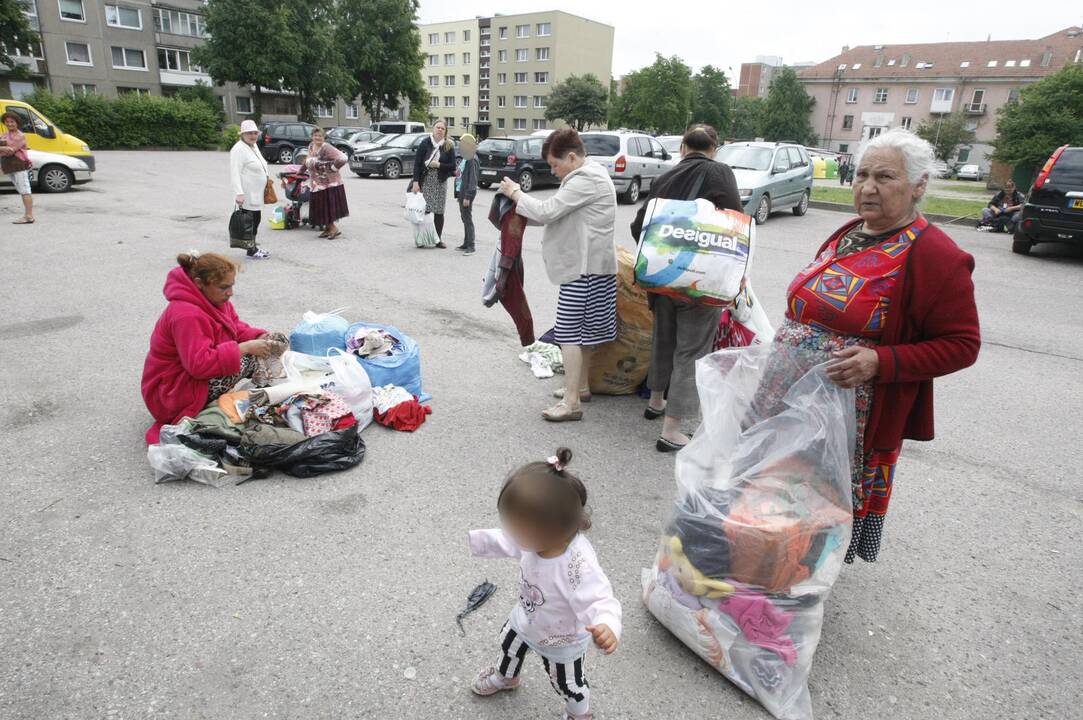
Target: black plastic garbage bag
pixel 319 454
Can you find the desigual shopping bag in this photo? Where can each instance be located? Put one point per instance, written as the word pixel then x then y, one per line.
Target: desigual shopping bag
pixel 690 249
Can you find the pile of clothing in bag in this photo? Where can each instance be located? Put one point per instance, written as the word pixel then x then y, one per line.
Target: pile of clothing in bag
pixel 760 526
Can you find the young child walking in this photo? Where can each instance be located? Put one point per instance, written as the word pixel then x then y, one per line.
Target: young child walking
pixel 466 189
pixel 565 599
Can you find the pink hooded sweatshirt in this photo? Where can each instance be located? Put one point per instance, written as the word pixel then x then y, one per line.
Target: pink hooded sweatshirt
pixel 193 342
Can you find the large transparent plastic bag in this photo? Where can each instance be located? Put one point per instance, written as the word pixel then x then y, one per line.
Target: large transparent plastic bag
pixel 760 523
pixel 171 460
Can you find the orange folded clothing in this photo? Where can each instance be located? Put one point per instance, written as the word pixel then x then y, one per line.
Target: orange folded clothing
pixel 228 404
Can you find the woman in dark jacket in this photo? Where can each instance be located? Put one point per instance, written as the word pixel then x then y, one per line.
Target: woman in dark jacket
pixel 684 331
pixel 434 163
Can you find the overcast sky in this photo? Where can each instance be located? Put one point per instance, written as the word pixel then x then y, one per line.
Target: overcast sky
pixel 725 34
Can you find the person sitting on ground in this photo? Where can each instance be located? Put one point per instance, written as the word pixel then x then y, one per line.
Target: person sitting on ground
pixel 199 348
pixel 1002 213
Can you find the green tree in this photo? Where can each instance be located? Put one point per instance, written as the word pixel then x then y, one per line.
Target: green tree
pixel 1048 114
pixel 787 110
pixel 317 73
pixel 202 92
pixel 946 133
pixel 747 118
pixel 382 50
pixel 246 45
pixel 712 102
pixel 419 110
pixel 16 35
pixel 580 101
pixel 658 97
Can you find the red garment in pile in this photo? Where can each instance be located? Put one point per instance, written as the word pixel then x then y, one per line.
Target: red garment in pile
pixel 407 416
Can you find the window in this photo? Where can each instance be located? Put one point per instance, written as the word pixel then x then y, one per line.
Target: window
pixel 1047 57
pixel 520 124
pixel 122 17
pixel 1024 63
pixel 434 59
pixel 907 122
pixel 501 101
pixel 520 101
pixel 520 78
pixel 244 105
pixel 874 131
pixel 1009 63
pixel 128 58
pixel 890 63
pixel 964 155
pixel 449 101
pixel 539 125
pixel 449 81
pixel 543 30
pixel 964 64
pixel 466 58
pixel 905 61
pixel 466 36
pixel 434 80
pixel 72 10
pixel 991 63
pixel 502 33
pixel 541 53
pixel 977 100
pixel 501 55
pixel 522 31
pixel 875 63
pixel 449 59
pixel 522 55
pixel 911 96
pixel 132 91
pixel 845 147
pixel 881 96
pixel 83 89
pixel 176 60
pixel 78 53
pixel 449 38
pixel 466 80
pixel 449 121
pixel 1013 95
pixel 179 23
pixel 943 95
pixel 539 101
pixel 541 78
pixel 851 96
pixel 465 123
pixel 325 111
pixel 466 101
pixel 502 78
pixel 434 38
pixel 856 66
pixel 500 121
pixel 434 101
pixel 847 122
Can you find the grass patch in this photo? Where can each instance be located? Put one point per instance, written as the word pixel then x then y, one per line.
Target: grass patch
pixel 975 188
pixel 933 205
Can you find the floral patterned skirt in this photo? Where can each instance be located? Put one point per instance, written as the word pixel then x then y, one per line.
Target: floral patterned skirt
pixel 873 472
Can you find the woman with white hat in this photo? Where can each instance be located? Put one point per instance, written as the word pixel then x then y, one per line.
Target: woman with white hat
pixel 249 177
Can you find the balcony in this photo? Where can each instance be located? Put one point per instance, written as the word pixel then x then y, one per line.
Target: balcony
pixel 187 79
pixel 974 109
pixel 34 66
pixel 940 106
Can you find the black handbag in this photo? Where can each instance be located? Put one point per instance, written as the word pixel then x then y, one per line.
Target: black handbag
pixel 242 230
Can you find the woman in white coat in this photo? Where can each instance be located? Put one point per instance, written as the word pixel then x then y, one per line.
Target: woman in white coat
pixel 248 175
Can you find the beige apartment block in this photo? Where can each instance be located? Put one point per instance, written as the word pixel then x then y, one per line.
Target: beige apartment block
pixel 868 89
pixel 451 72
pixel 519 58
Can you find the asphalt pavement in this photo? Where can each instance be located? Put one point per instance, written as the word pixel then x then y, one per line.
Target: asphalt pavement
pixel 335 597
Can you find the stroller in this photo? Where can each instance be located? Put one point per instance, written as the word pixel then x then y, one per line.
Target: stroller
pixel 295 185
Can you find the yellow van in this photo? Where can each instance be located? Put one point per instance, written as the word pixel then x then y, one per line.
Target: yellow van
pixel 44 135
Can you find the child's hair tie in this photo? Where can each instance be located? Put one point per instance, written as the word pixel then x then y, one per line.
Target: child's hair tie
pixel 555 462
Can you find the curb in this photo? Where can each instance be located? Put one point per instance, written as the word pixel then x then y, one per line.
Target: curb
pixel 849 209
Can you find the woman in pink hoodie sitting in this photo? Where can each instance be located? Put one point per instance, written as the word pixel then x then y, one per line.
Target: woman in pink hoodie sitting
pixel 199 349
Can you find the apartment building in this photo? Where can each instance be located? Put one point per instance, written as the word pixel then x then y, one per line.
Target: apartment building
pixel 111 47
pixel 515 62
pixel 868 89
pixel 755 77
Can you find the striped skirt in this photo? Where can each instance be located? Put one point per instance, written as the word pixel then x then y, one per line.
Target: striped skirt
pixel 587 311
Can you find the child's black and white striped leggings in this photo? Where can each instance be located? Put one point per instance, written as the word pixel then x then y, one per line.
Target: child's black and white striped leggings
pixel 567 678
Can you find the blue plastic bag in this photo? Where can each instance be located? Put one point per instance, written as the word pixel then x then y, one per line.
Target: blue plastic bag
pixel 401 368
pixel 317 333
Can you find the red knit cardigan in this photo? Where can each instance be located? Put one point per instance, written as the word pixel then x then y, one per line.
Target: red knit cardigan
pixel 932 330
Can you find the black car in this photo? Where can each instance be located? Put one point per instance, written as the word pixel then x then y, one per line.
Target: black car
pixel 391 160
pixel 519 158
pixel 1053 211
pixel 280 141
pixel 340 137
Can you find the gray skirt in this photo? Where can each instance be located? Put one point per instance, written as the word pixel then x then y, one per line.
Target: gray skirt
pixel 434 191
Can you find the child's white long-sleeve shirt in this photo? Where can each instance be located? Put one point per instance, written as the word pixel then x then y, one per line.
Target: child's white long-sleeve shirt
pixel 558 597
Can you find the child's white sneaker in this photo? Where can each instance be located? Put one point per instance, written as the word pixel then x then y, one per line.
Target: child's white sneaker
pixel 490 682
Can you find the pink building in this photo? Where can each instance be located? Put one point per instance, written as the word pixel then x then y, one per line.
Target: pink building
pixel 868 89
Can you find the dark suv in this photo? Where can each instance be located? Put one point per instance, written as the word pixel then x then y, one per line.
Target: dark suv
pixel 519 158
pixel 280 141
pixel 1053 211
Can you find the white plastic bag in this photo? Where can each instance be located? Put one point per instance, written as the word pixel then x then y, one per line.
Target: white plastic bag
pixel 173 461
pixel 425 232
pixel 761 522
pixel 414 208
pixel 339 371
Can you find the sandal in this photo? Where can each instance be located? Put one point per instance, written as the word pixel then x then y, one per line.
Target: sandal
pixel 23 221
pixel 322 235
pixel 338 234
pixel 667 446
pixel 652 414
pixel 561 413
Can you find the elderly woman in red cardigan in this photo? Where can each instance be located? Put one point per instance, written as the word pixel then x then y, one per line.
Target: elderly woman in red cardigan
pixel 888 302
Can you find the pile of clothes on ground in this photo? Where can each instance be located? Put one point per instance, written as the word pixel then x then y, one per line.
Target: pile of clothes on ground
pixel 304 409
pixel 759 528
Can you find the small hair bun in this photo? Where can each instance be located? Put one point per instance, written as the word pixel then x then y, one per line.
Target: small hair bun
pixel 564 455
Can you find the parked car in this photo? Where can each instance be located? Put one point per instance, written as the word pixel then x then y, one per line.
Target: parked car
pixel 365 137
pixel 53 172
pixel 970 172
pixel 43 135
pixel 1053 211
pixel 633 160
pixel 340 137
pixel 519 158
pixel 398 127
pixel 542 133
pixel 770 176
pixel 280 141
pixel 940 169
pixel 391 159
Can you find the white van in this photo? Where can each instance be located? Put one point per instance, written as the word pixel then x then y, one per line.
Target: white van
pixel 398 127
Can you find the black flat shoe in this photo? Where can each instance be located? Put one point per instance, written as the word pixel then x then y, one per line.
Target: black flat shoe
pixel 652 414
pixel 665 446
